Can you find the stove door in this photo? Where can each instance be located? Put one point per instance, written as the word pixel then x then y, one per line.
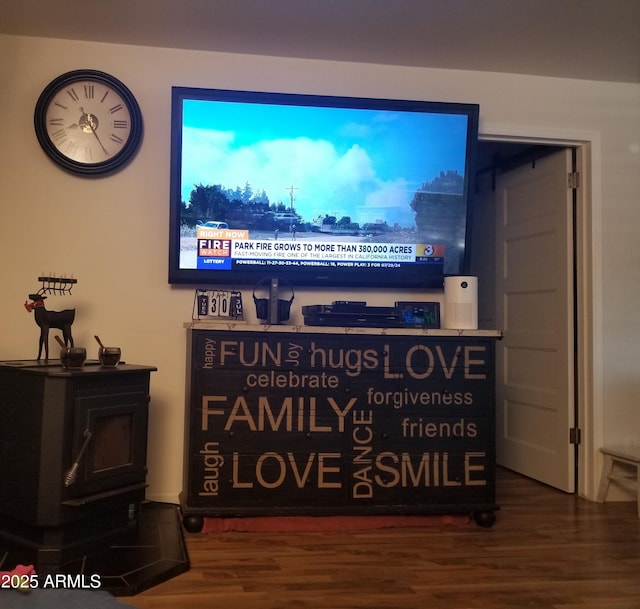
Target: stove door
pixel 109 443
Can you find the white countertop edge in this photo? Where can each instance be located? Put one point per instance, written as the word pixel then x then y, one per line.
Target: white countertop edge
pixel 241 326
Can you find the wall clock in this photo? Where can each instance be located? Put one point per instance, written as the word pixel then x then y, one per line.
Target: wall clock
pixel 88 122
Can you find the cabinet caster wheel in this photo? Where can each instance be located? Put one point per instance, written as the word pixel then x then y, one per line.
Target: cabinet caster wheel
pixel 193 524
pixel 485 519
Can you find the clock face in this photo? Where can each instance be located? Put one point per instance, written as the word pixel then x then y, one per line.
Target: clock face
pixel 88 122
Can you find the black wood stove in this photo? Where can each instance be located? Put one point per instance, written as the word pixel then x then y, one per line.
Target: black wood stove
pixel 73 447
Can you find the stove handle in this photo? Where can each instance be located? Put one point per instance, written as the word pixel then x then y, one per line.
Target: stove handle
pixel 70 476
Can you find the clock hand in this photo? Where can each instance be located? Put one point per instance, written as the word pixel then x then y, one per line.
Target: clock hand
pixel 99 142
pixel 88 118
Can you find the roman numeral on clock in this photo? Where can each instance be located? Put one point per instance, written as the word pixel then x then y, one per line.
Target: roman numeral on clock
pixel 70 148
pixel 59 136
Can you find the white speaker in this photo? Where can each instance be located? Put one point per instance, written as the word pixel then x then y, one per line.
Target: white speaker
pixel 461 302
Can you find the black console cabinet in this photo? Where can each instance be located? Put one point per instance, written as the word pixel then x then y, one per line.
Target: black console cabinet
pixel 288 420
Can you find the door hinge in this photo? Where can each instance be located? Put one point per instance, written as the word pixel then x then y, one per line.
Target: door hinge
pixel 575 435
pixel 574 180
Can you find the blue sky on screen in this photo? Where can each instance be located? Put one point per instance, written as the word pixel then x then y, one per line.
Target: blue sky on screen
pixel 366 164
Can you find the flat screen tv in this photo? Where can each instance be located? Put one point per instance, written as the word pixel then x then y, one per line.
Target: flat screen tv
pixel 318 190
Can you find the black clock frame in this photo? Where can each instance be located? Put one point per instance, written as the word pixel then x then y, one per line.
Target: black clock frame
pixel 88 169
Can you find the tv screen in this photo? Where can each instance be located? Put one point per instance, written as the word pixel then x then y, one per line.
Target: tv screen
pixel 319 190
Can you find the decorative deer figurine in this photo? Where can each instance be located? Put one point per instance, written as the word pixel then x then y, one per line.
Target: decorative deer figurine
pixel 61 320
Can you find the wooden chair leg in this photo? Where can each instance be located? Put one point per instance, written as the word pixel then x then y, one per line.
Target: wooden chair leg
pixel 607 467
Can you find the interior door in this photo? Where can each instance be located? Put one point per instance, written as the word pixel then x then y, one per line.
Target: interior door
pixel 534 307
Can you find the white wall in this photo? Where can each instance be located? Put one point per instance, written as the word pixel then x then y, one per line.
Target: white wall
pixel 111 233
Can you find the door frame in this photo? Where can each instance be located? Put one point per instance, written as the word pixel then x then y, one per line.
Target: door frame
pixel 588 232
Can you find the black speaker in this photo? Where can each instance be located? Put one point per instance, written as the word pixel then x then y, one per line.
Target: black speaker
pixel 272 308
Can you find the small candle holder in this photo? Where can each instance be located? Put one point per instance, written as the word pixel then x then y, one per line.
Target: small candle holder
pixel 109 356
pixel 73 357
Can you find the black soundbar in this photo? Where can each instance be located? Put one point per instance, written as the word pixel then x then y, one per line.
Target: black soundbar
pixel 347 308
pixel 358 314
pixel 351 320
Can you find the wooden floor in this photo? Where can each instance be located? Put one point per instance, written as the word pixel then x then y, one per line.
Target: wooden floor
pixel 546 550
